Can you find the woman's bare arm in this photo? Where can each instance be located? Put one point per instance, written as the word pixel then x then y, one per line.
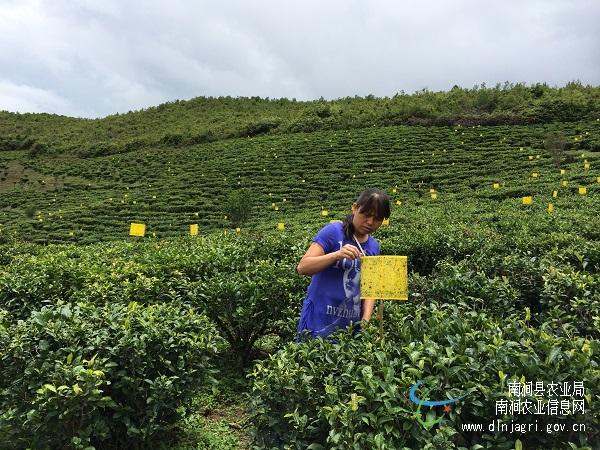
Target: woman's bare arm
pixel 367 308
pixel 315 259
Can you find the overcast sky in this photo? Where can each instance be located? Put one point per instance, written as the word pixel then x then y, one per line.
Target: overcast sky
pixel 92 58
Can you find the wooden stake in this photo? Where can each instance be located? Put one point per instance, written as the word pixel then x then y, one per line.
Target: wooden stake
pixel 380 317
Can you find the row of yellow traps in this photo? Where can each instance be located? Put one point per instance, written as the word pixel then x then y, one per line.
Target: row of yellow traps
pixel 139 229
pixel 529 199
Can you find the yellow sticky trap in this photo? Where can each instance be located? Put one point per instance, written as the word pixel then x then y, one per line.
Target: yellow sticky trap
pixel 550 208
pixel 565 183
pixel 354 402
pixel 582 190
pixel 398 202
pixel 394 190
pixel 194 229
pixel 530 157
pixel 563 171
pixel 386 222
pixel 598 180
pixel 496 185
pixel 434 196
pixel 324 213
pixel 554 194
pixel 384 277
pixel 137 229
pixel 528 200
pixel 281 226
pixel 535 174
pixel 237 230
pixel 538 156
pixel 276 208
pixel 334 221
pixel 431 191
pixel 586 166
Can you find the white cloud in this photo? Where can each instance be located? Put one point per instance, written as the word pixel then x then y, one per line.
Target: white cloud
pixel 98 57
pixel 14 97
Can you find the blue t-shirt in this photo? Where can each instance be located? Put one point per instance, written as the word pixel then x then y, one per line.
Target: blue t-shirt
pixel 333 298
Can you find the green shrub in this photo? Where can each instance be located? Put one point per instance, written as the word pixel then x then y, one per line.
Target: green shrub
pixel 524 272
pixel 37 149
pixel 262 126
pixel 427 244
pixel 238 207
pixel 571 300
pixel 144 272
pixel 30 212
pixel 252 303
pixel 352 392
pixel 458 283
pixel 555 143
pixel 172 139
pixel 113 376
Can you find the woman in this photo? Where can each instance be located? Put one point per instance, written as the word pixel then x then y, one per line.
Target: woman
pixel 333 260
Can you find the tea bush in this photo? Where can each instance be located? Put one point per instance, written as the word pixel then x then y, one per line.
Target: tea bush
pixel 352 392
pixel 572 297
pixel 112 376
pixel 252 303
pixel 144 272
pixel 458 283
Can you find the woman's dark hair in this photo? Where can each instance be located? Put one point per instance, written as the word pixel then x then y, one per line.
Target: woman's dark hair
pixel 370 201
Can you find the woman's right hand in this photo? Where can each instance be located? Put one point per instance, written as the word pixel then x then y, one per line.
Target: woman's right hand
pixel 348 251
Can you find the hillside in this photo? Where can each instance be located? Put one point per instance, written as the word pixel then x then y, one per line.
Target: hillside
pixel 200 120
pixel 47 199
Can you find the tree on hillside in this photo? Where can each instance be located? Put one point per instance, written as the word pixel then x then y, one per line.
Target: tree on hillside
pixel 555 144
pixel 238 207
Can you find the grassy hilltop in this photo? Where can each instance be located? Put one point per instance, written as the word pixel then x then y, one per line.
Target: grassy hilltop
pixel 201 120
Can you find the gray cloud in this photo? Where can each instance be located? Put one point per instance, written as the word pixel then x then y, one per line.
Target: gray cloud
pixel 93 58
